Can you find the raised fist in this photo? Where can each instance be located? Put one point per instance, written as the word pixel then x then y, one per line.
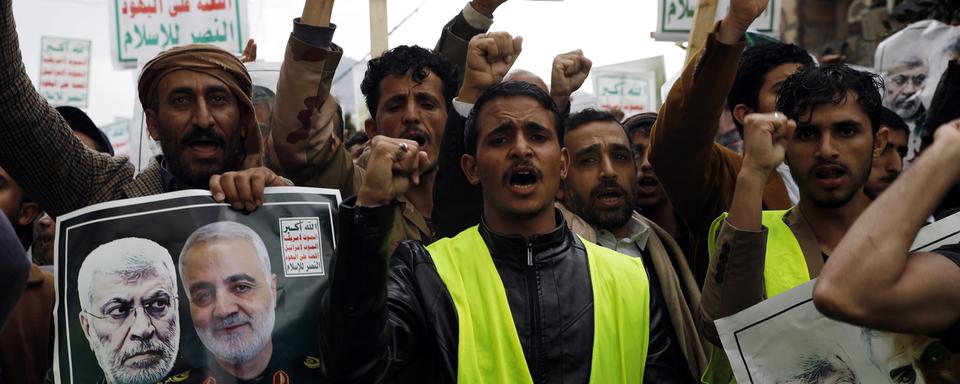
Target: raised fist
pixel 765 140
pixel 489 57
pixel 569 72
pixel 393 167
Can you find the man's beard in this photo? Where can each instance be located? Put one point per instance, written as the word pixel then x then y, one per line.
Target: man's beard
pixel 233 348
pixel 117 373
pixel 605 219
pixel 906 106
pixel 198 175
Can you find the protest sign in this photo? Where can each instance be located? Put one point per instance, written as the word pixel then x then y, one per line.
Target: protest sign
pixel 632 86
pixel 911 62
pixel 675 19
pixel 65 71
pixel 179 288
pixel 786 340
pixel 141 28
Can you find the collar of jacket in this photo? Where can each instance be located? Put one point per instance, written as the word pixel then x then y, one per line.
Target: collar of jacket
pixel 545 248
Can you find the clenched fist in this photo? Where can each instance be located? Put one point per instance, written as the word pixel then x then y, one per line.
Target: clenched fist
pixel 765 140
pixel 489 57
pixel 569 72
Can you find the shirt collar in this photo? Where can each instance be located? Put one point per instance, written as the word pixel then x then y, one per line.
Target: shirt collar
pixel 639 234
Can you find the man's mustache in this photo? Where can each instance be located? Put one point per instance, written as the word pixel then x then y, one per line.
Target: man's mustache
pixel 198 134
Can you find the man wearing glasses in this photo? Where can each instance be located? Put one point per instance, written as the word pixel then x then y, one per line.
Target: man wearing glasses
pixel 128 290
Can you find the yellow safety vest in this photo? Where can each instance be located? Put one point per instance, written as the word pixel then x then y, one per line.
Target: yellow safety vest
pixel 784 268
pixel 489 348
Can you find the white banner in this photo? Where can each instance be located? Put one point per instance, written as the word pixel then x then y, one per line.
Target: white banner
pixel 675 19
pixel 786 340
pixel 633 86
pixel 65 71
pixel 141 28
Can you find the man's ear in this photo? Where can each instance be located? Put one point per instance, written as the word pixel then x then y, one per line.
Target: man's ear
pixel 740 112
pixel 152 128
pixel 564 163
pixel 85 325
pixel 469 166
pixel 880 141
pixel 370 127
pixel 29 212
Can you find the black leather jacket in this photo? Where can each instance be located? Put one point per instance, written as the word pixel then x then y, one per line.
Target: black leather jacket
pixel 391 319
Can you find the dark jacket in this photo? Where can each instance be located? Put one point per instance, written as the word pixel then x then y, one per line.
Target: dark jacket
pixel 391 318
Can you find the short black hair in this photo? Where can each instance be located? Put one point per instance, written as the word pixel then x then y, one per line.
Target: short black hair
pixel 402 60
pixel 358 138
pixel 509 89
pixel 640 123
pixel 755 63
pixel 815 86
pixel 588 116
pixel 891 119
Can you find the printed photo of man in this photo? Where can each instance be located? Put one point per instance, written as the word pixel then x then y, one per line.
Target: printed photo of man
pixel 225 269
pixel 911 359
pixel 128 293
pixel 904 84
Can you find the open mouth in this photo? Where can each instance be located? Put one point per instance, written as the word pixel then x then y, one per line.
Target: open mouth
pixel 523 180
pixel 610 197
pixel 205 146
pixel 417 135
pixel 829 175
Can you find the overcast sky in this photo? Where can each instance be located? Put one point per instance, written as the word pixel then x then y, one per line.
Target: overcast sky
pixel 608 31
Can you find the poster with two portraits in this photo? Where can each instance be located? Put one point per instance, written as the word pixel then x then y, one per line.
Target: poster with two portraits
pixel 177 288
pixel 785 340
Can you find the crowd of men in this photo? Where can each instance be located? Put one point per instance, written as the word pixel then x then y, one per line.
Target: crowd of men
pixel 491 234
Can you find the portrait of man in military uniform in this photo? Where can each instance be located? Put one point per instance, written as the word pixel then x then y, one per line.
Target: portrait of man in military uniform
pixel 232 291
pixel 128 291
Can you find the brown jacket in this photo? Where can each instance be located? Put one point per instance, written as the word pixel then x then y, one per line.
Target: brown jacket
pixel 699 175
pixel 735 278
pixel 680 291
pixel 26 340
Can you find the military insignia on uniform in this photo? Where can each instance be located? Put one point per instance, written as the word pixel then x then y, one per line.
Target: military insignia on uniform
pixel 281 377
pixel 209 380
pixel 177 378
pixel 311 362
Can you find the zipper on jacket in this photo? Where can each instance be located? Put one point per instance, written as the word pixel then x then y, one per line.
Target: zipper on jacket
pixel 532 291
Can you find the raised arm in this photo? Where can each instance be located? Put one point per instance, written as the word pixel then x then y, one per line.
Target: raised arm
pixel 871 279
pixel 735 278
pixel 697 174
pixel 37 147
pixel 360 324
pixel 302 140
pixel 475 19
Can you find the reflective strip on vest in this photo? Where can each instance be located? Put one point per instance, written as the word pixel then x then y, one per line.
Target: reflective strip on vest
pixel 489 348
pixel 784 268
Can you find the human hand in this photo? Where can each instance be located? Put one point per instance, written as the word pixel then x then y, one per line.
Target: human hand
pixel 569 72
pixel 765 141
pixel 244 189
pixel 489 57
pixel 486 7
pixel 393 167
pixel 249 52
pixel 739 16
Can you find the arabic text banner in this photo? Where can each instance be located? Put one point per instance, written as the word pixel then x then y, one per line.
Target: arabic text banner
pixel 142 28
pixel 179 288
pixel 64 71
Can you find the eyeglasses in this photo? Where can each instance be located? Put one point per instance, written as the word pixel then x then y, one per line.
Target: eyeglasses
pixel 156 308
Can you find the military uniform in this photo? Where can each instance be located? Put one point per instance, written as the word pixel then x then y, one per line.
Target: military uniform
pixel 283 369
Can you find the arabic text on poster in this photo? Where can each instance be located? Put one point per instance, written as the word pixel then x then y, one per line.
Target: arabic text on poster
pixel 65 71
